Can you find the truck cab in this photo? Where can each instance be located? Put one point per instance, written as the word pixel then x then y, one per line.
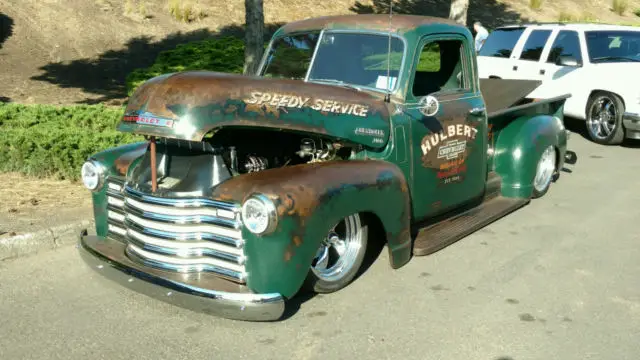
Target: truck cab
pixel 356 129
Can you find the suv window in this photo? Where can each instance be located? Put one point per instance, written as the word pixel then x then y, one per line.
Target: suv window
pixel 567 43
pixel 613 46
pixel 534 45
pixel 440 68
pixel 501 42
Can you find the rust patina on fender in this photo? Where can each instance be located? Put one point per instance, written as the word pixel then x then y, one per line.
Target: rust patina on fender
pixel 191 104
pixel 311 198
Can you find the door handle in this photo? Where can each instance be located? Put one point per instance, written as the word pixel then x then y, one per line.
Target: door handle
pixel 542 71
pixel 515 68
pixel 477 111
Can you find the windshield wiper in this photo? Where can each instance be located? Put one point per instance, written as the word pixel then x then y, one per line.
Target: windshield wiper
pixel 337 82
pixel 615 58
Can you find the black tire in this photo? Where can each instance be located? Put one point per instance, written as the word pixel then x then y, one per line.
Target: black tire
pixel 608 130
pixel 546 172
pixel 318 282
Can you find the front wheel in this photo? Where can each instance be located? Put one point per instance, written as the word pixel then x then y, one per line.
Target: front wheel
pixel 545 172
pixel 339 257
pixel 604 119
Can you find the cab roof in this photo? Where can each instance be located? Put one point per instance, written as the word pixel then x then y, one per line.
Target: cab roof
pixel 379 22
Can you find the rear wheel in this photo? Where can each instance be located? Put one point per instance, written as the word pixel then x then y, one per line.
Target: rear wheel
pixel 339 257
pixel 545 171
pixel 604 118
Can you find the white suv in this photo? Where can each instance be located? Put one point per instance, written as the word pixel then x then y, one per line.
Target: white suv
pixel 599 65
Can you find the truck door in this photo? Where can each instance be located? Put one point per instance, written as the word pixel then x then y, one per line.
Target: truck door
pixel 448 126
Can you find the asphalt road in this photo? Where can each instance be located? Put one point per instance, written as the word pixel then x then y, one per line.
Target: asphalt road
pixel 557 279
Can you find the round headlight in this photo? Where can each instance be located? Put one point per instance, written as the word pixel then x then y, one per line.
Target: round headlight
pixel 259 214
pixel 92 175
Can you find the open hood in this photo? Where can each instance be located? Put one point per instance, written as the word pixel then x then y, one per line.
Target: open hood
pixel 188 105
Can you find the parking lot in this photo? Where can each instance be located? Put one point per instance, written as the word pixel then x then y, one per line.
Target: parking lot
pixel 557 279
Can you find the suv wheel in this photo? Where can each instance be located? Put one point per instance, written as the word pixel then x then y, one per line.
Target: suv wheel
pixel 604 118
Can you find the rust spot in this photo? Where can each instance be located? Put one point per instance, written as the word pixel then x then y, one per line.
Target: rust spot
pixel 122 163
pixel 297 240
pixel 287 255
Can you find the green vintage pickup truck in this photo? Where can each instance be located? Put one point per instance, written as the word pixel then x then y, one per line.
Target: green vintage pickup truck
pixel 363 128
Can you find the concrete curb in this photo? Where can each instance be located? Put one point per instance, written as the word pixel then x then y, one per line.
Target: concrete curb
pixel 47 239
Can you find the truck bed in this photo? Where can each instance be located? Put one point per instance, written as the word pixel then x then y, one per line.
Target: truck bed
pixel 502 94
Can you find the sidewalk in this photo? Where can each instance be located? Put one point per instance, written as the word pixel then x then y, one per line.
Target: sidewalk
pixel 40 214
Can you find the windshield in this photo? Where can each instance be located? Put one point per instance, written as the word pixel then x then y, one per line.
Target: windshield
pixel 346 59
pixel 613 46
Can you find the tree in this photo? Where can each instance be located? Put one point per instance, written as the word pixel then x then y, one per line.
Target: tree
pixel 254 35
pixel 458 11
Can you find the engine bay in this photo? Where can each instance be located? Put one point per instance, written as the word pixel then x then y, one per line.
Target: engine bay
pixel 187 168
pixel 248 150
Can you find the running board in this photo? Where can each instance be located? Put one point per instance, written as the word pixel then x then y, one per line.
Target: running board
pixel 446 232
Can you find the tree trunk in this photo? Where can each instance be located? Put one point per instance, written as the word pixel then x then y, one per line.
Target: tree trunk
pixel 458 12
pixel 254 35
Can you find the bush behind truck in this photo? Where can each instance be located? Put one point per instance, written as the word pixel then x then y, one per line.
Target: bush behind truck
pixel 250 189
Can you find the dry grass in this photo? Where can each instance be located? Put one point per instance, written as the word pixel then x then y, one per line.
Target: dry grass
pixel 186 12
pixel 620 6
pixel 535 4
pixel 28 195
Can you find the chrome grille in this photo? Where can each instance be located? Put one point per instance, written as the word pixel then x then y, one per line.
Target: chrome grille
pixel 183 235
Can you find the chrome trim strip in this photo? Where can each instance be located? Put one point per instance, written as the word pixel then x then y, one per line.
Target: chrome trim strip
pixel 177 219
pixel 187 253
pixel 184 203
pixel 185 236
pixel 185 248
pixel 105 256
pixel 224 269
pixel 180 228
pixel 116 195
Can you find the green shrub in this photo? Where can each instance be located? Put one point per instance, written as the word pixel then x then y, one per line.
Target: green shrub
pixel 637 12
pixel 44 140
pixel 620 6
pixel 223 55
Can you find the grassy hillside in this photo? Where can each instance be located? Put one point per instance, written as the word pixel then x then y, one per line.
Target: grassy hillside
pixel 80 51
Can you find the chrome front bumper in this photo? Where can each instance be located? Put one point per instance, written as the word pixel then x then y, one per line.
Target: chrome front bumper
pixel 203 293
pixel 631 124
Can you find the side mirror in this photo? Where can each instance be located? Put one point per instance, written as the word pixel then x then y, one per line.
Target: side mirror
pixel 568 61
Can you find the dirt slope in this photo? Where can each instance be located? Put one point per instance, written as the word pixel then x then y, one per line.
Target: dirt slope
pixel 67 51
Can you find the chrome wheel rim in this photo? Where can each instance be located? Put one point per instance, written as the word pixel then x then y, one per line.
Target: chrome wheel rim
pixel 602 118
pixel 545 169
pixel 339 250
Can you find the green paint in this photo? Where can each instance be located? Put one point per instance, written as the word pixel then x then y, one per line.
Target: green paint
pixel 402 192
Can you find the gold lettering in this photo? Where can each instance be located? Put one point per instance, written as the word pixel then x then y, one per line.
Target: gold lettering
pixel 284 100
pixel 327 105
pixel 467 131
pixel 275 100
pixel 435 140
pixel 318 105
pixel 335 107
pixel 475 132
pixel 425 147
pixel 265 98
pixel 459 130
pixel 364 110
pixel 452 130
pixel 254 97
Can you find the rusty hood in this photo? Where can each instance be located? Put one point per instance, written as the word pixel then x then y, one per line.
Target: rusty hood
pixel 188 105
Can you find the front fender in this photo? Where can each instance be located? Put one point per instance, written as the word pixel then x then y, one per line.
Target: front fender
pixel 116 161
pixel 519 147
pixel 309 200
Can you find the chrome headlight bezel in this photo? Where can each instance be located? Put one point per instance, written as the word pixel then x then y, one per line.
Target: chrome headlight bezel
pixel 265 206
pixel 98 169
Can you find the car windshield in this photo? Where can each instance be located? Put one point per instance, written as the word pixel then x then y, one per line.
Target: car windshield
pixel 350 59
pixel 613 46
